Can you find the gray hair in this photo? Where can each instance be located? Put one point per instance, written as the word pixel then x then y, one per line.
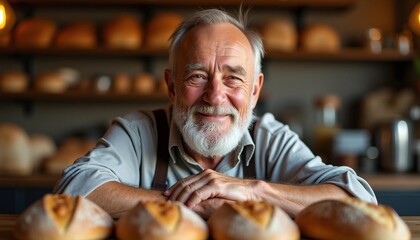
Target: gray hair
pixel 214 16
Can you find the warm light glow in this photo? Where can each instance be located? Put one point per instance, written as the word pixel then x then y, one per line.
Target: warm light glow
pixel 414 20
pixel 2 17
pixel 7 17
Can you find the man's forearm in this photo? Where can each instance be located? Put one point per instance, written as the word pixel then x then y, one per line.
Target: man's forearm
pixel 117 198
pixel 293 199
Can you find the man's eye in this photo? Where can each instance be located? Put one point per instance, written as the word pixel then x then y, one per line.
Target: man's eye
pixel 197 77
pixel 233 79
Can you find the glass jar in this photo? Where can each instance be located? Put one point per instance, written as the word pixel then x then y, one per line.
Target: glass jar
pixel 326 126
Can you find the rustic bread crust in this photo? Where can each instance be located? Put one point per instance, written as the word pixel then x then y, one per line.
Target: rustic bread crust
pixel 140 223
pixel 63 217
pixel 228 223
pixel 351 218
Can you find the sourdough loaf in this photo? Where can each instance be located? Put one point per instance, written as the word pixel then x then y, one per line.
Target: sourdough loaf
pixel 350 218
pixel 163 221
pixel 251 220
pixel 63 217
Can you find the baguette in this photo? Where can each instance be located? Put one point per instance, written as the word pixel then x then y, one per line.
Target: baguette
pixel 63 217
pixel 351 218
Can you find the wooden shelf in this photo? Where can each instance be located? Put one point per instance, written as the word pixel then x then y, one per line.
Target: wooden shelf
pixel 95 52
pixel 346 54
pixel 83 96
pixel 325 4
pixel 31 181
pixel 349 54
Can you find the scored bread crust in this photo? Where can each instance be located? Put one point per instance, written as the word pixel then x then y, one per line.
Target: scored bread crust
pixel 350 218
pixel 63 217
pixel 228 223
pixel 140 223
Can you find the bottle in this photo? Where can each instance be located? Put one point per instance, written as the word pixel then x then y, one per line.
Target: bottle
pixel 326 125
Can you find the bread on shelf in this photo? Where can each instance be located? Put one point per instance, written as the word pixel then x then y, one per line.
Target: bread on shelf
pixel 34 33
pixel 78 35
pixel 160 28
pixel 123 32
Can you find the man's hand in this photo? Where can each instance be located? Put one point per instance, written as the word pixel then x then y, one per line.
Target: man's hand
pixel 209 184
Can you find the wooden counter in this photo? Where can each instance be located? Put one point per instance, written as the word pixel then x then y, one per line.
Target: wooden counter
pixel 390 181
pixel 7 222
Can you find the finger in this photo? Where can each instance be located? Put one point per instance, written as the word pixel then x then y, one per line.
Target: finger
pixel 179 187
pixel 190 190
pixel 202 194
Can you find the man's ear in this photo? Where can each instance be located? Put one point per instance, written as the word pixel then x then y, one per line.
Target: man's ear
pixel 170 84
pixel 257 89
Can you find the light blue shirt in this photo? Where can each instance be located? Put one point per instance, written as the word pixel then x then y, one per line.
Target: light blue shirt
pixel 128 150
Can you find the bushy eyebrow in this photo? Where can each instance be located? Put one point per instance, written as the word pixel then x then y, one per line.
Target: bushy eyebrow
pixel 194 66
pixel 198 66
pixel 238 70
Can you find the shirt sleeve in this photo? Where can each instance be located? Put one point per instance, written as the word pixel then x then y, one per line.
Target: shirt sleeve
pixel 113 159
pixel 289 160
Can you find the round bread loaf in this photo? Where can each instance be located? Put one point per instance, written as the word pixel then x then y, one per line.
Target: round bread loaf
pixel 34 32
pixel 50 82
pixel 15 150
pixel 63 217
pixel 251 220
pixel 350 218
pixel 279 34
pixel 123 32
pixel 160 28
pixel 144 84
pixel 121 83
pixel 42 147
pixel 161 221
pixel 77 35
pixel 14 82
pixel 320 38
pixel 69 151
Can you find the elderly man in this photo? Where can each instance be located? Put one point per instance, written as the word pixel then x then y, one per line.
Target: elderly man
pixel 207 147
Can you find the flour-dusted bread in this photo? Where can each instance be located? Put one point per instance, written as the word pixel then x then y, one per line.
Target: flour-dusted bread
pixel 251 220
pixel 319 37
pixel 14 82
pixel 63 217
pixel 161 221
pixel 279 34
pixel 15 150
pixel 350 218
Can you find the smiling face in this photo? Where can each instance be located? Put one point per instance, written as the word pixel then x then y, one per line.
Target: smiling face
pixel 212 86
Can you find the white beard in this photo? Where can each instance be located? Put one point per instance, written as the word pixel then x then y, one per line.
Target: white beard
pixel 205 137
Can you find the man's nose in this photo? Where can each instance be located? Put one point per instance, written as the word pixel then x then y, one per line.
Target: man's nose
pixel 215 92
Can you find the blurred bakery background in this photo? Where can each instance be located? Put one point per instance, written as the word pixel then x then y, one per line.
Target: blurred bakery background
pixel 344 74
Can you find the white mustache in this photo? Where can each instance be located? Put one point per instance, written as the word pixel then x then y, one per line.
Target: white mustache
pixel 215 110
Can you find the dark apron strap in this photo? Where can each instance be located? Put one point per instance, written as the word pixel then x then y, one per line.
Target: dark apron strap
pixel 162 161
pixel 249 171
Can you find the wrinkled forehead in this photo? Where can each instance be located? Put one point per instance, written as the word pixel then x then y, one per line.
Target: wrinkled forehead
pixel 220 39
